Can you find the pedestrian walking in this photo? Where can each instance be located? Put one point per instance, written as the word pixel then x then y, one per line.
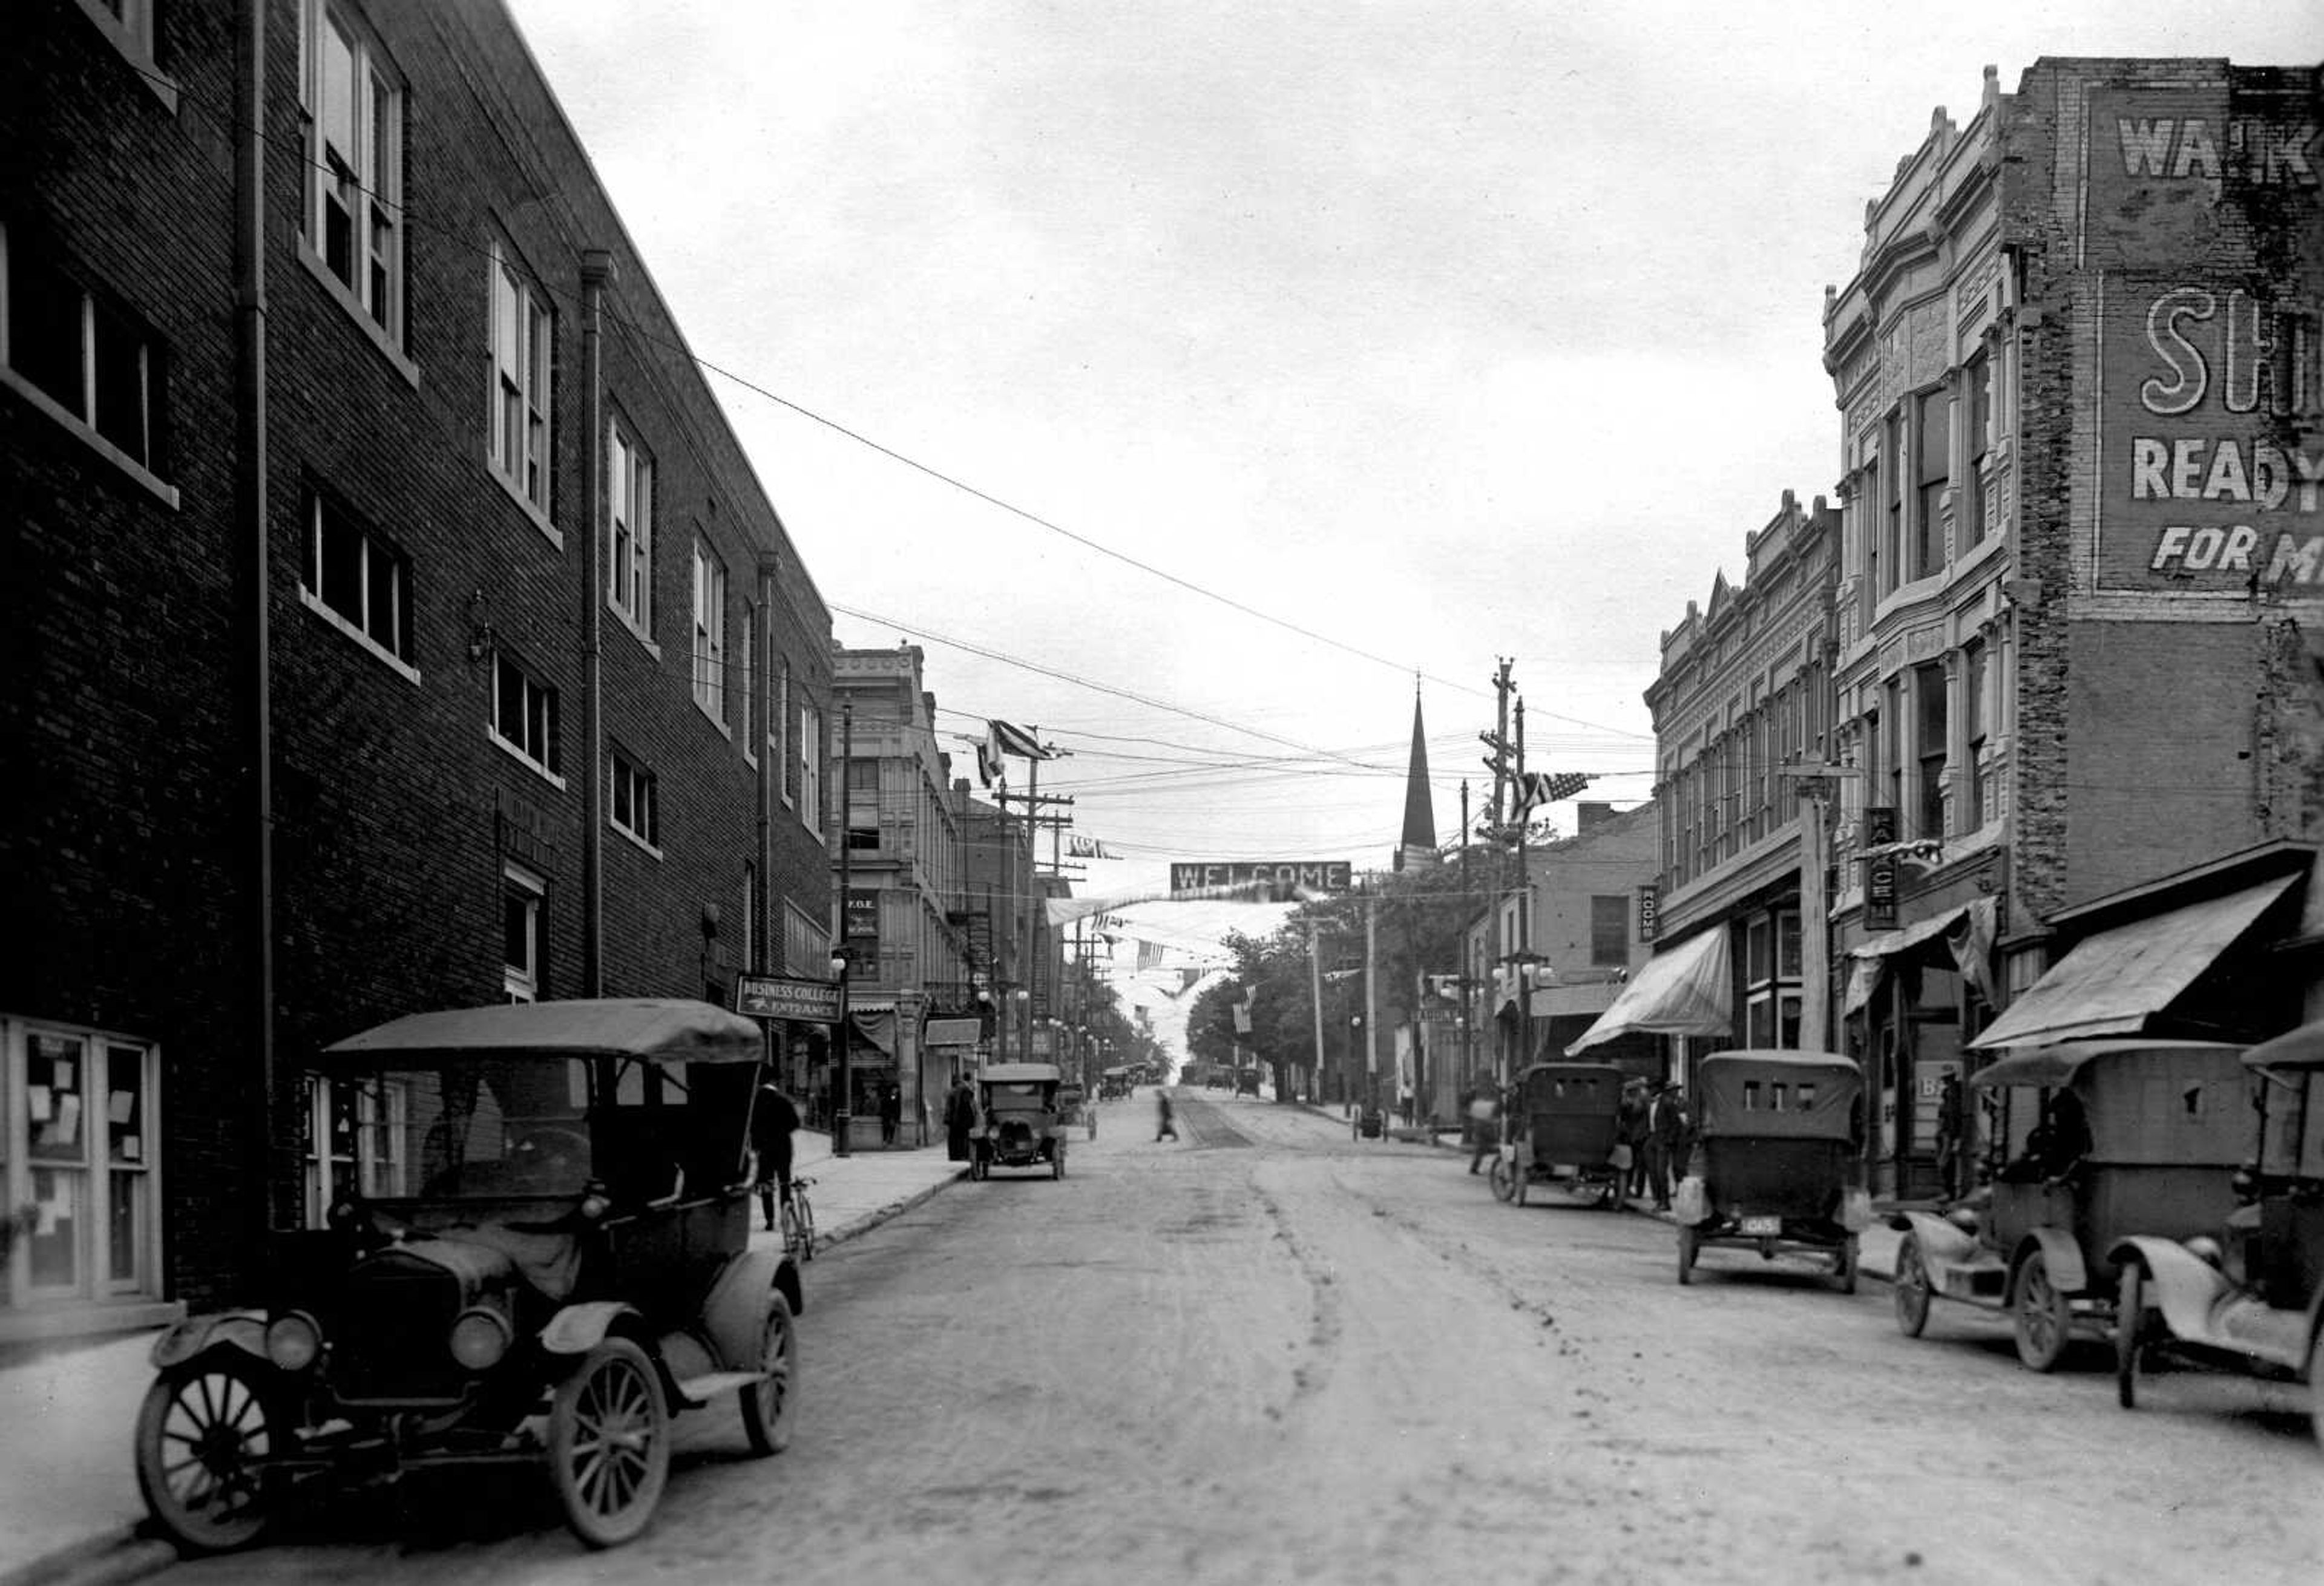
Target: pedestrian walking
pixel 1668 1125
pixel 1952 1117
pixel 773 1120
pixel 1484 1124
pixel 960 1117
pixel 892 1114
pixel 1167 1126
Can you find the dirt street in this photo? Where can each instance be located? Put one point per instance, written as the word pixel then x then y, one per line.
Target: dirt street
pixel 1272 1353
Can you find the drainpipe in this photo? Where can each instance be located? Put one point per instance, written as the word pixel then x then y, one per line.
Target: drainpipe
pixel 251 513
pixel 596 274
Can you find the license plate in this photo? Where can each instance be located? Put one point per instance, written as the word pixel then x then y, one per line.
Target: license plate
pixel 1763 1225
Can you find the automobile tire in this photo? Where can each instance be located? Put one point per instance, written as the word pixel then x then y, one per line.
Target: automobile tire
pixel 2044 1315
pixel 769 1406
pixel 609 1443
pixel 2316 1383
pixel 1911 1288
pixel 1844 1269
pixel 200 1428
pixel 1498 1173
pixel 2129 1334
pixel 1690 1244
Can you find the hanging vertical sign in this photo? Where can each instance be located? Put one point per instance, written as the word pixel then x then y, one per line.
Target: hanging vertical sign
pixel 1880 867
pixel 1649 900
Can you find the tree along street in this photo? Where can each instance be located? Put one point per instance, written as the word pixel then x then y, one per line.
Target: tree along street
pixel 1272 1352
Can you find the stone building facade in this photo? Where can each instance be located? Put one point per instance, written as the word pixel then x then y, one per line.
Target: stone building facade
pixel 397 623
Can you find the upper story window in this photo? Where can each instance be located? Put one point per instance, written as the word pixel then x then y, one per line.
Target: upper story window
pixel 524 714
pixel 81 359
pixel 1892 510
pixel 353 221
pixel 754 682
pixel 628 505
pixel 778 731
pixel 1930 735
pixel 1973 731
pixel 1610 929
pixel 1933 447
pixel 710 632
pixel 636 808
pixel 128 26
pixel 523 336
pixel 358 581
pixel 521 892
pixel 810 765
pixel 1978 378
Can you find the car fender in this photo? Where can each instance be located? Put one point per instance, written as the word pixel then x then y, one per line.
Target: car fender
pixel 2182 1284
pixel 736 1309
pixel 578 1329
pixel 241 1330
pixel 1943 1243
pixel 2068 1273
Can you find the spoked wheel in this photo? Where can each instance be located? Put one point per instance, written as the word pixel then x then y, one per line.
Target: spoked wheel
pixel 609 1443
pixel 1911 1288
pixel 2129 1334
pixel 2044 1315
pixel 1690 1245
pixel 1499 1174
pixel 799 1228
pixel 1844 1265
pixel 768 1409
pixel 201 1432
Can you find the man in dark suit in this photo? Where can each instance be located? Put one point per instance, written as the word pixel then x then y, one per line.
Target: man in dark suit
pixel 1667 1127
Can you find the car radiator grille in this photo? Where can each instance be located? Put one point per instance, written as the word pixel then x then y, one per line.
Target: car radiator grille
pixel 393 1341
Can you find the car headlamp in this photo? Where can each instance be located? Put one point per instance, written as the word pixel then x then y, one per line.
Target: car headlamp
pixel 293 1341
pixel 479 1338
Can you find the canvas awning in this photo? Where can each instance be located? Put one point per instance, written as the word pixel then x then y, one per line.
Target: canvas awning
pixel 1966 934
pixel 1684 991
pixel 876 1024
pixel 655 1030
pixel 2114 982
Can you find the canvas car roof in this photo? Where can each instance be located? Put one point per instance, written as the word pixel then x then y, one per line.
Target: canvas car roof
pixel 646 1029
pixel 2056 1065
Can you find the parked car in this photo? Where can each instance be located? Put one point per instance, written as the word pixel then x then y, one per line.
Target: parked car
pixel 1020 1123
pixel 542 1255
pixel 2251 1297
pixel 1564 1129
pixel 2098 1140
pixel 1246 1081
pixel 1776 1163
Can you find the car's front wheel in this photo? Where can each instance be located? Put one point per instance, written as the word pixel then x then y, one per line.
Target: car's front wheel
pixel 1911 1288
pixel 609 1443
pixel 203 1432
pixel 2044 1315
pixel 767 1405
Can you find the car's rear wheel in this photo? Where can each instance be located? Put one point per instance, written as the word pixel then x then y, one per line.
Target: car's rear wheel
pixel 2044 1315
pixel 2129 1334
pixel 202 1431
pixel 1502 1177
pixel 2316 1383
pixel 609 1443
pixel 1911 1288
pixel 767 1405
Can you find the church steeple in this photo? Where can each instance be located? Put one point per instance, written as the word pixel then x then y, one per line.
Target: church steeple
pixel 1417 845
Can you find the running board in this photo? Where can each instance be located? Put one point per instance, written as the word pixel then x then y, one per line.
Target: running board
pixel 697 1391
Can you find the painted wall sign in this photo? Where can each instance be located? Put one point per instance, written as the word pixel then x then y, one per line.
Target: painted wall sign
pixel 775 996
pixel 1284 879
pixel 1880 867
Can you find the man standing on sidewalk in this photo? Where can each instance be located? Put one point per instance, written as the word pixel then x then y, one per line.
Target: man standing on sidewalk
pixel 1667 1127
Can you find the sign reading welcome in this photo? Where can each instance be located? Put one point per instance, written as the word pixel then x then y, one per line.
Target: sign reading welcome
pixel 1284 880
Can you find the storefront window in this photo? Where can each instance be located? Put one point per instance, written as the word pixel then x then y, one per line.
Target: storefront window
pixel 77 1167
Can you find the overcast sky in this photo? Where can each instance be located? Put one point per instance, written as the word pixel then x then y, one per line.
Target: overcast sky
pixel 1444 332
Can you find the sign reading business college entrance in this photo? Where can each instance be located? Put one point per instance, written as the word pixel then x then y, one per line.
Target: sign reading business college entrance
pixel 778 996
pixel 1284 879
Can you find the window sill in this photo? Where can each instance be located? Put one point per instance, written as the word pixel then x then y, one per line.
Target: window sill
pixel 401 668
pixel 135 51
pixel 538 519
pixel 162 491
pixel 524 760
pixel 634 841
pixel 622 621
pixel 710 714
pixel 362 317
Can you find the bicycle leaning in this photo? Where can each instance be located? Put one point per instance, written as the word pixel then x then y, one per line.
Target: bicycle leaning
pixel 798 1221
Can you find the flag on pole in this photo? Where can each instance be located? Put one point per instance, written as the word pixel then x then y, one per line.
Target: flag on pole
pixel 1080 847
pixel 1536 788
pixel 990 767
pixel 1003 738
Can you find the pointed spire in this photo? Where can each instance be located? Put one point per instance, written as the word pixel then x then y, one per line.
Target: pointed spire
pixel 1417 845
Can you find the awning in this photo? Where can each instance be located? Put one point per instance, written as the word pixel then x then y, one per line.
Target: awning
pixel 876 1024
pixel 1684 991
pixel 2113 983
pixel 655 1030
pixel 1967 934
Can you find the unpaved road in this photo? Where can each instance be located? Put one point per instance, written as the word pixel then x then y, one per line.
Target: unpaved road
pixel 1270 1353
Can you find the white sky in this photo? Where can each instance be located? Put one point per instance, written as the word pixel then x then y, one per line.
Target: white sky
pixel 1446 331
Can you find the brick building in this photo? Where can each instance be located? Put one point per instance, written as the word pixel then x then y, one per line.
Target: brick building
pixel 2079 380
pixel 397 623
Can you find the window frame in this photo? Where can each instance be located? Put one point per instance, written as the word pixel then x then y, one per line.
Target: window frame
pixel 373 549
pixel 546 764
pixel 810 765
pixel 151 364
pixel 519 884
pixel 524 463
pixel 707 643
pixel 629 528
pixel 383 1110
pixel 1931 474
pixel 368 182
pixel 1931 730
pixel 1978 376
pixel 1609 930
pixel 93 1171
pixel 620 763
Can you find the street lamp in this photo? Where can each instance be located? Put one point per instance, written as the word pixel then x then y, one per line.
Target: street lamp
pixel 840 1044
pixel 1351 1091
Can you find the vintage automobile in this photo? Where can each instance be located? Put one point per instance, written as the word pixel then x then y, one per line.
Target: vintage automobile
pixel 1019 1123
pixel 1246 1081
pixel 1564 1129
pixel 1114 1083
pixel 1777 1162
pixel 2251 1297
pixel 537 1249
pixel 2096 1140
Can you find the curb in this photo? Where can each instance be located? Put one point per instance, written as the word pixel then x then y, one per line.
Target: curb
pixel 113 1558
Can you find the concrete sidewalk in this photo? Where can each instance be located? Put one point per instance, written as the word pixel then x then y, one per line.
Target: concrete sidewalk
pixel 69 1503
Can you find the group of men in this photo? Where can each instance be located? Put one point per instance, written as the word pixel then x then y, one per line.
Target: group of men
pixel 1656 1127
